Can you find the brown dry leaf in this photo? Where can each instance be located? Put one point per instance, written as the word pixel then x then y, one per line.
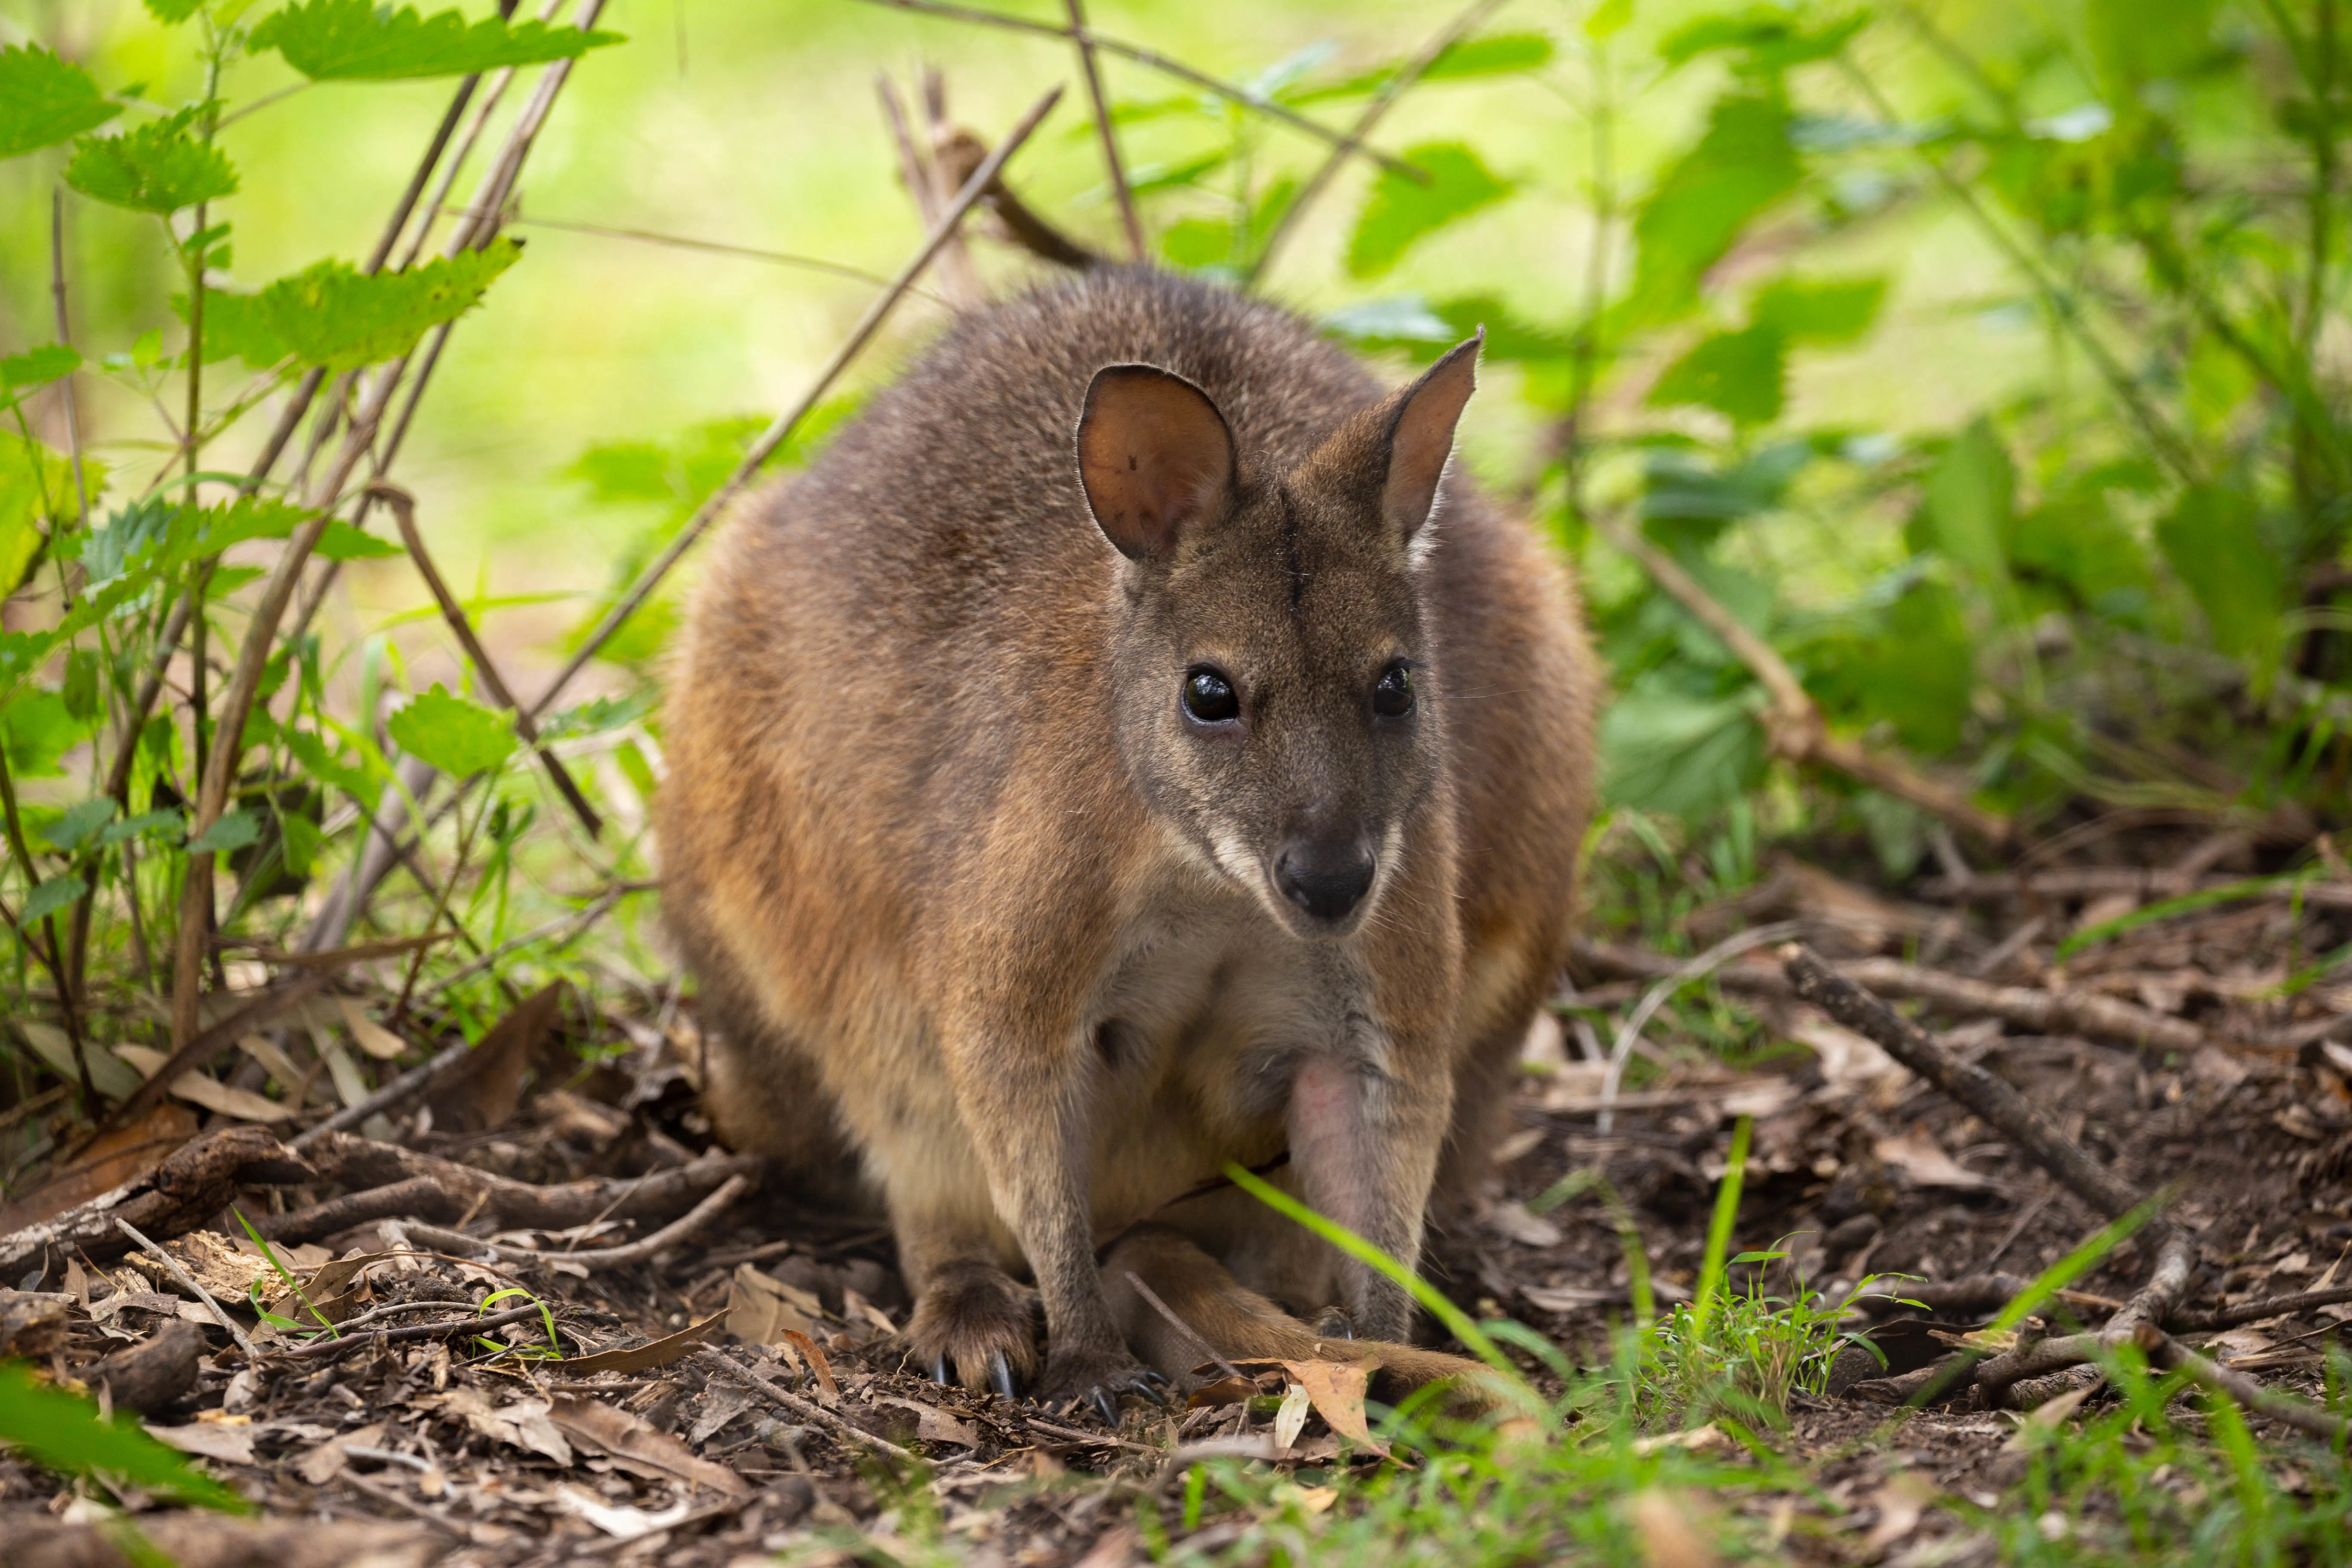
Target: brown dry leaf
pixel 110 1078
pixel 370 1036
pixel 1695 1440
pixel 209 1092
pixel 1663 1521
pixel 761 1308
pixel 1225 1390
pixel 656 1352
pixel 325 1462
pixel 212 1260
pixel 524 1424
pixel 111 1158
pixel 2047 1416
pixel 1337 1387
pixel 828 1392
pixel 210 1439
pixel 639 1446
pixel 1291 1418
pixel 482 1092
pixel 855 1306
pixel 1917 1157
pixel 1901 1502
pixel 933 1424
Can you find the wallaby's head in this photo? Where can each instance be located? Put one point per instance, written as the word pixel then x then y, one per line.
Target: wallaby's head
pixel 1271 667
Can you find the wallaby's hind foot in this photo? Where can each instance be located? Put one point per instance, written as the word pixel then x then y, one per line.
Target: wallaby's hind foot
pixel 1222 1317
pixel 973 1325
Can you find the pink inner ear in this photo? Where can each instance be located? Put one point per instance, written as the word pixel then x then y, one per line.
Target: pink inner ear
pixel 1154 456
pixel 1422 438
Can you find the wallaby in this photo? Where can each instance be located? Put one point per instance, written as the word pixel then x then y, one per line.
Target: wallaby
pixel 1130 747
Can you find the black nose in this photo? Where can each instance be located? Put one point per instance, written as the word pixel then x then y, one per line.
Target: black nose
pixel 1326 879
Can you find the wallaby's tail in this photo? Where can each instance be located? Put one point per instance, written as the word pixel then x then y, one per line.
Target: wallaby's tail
pixel 1224 1316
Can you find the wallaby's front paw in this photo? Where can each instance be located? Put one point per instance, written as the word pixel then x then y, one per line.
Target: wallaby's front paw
pixel 974 1318
pixel 1098 1377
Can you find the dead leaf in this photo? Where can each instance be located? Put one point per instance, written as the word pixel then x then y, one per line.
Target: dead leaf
pixel 524 1424
pixel 1916 1155
pixel 1225 1390
pixel 655 1352
pixel 1337 1389
pixel 370 1036
pixel 828 1392
pixel 855 1306
pixel 54 1047
pixel 619 1520
pixel 1850 1063
pixel 209 1092
pixel 762 1307
pixel 1567 1298
pixel 325 1462
pixel 2047 1417
pixel 1695 1440
pixel 1662 1520
pixel 483 1090
pixel 1901 1502
pixel 111 1158
pixel 211 1441
pixel 1513 1220
pixel 1291 1418
pixel 639 1446
pixel 212 1260
pixel 933 1424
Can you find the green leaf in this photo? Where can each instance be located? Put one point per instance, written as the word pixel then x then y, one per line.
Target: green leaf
pixel 1401 210
pixel 1969 501
pixel 2135 43
pixel 174 11
pixel 600 715
pixel 160 167
pixel 1741 373
pixel 452 734
pixel 2213 541
pixel 38 367
pixel 39 730
pixel 79 821
pixel 37 486
pixel 321 763
pixel 335 315
pixel 1829 312
pixel 351 40
pixel 1741 165
pixel 109 552
pixel 56 893
pixel 45 100
pixel 1667 751
pixel 1498 54
pixel 235 830
pixel 64 1433
pixel 340 542
pixel 168 825
pixel 1773 39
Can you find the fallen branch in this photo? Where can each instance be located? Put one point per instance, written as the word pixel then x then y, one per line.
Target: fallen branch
pixel 2255 1311
pixel 2109 882
pixel 2171 1355
pixel 669 1236
pixel 186 1282
pixel 365 1163
pixel 193 1183
pixel 417 1080
pixel 1795 725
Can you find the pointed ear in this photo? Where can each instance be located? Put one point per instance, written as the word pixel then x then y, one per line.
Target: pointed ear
pixel 1155 458
pixel 1421 439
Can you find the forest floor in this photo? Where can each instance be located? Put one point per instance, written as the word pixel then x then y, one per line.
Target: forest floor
pixel 727 1386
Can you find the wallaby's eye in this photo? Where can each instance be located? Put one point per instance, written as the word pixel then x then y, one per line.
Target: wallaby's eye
pixel 1209 697
pixel 1392 694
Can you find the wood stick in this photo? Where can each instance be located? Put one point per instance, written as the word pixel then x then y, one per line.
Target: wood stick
pixel 959 154
pixel 2171 1355
pixel 807 1410
pixel 365 1163
pixel 669 1236
pixel 403 516
pixel 1467 21
pixel 346 1343
pixel 2255 1311
pixel 1796 726
pixel 187 1283
pixel 785 423
pixel 399 1092
pixel 1159 62
pixel 1136 249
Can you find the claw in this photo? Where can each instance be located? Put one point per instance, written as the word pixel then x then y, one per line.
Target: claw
pixel 940 1369
pixel 1106 1406
pixel 1152 1386
pixel 999 1374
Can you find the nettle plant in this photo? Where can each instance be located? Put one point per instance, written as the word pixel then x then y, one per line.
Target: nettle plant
pixel 163 698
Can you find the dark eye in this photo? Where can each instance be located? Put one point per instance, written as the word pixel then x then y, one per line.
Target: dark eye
pixel 1209 697
pixel 1392 694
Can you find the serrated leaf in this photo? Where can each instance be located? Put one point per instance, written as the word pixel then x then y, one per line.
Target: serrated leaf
pixel 1969 497
pixel 450 733
pixel 65 1433
pixel 56 893
pixel 351 40
pixel 1401 210
pixel 338 540
pixel 2213 540
pixel 165 824
pixel 1741 165
pixel 333 315
pixel 234 830
pixel 1741 374
pixel 600 714
pixel 38 367
pixel 78 821
pixel 160 167
pixel 1667 751
pixel 45 100
pixel 1829 312
pixel 325 766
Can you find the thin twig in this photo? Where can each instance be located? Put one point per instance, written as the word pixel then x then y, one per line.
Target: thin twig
pixel 785 423
pixel 807 1410
pixel 399 1092
pixel 715 246
pixel 1157 62
pixel 1470 18
pixel 348 1341
pixel 1136 249
pixel 2255 1311
pixel 1152 1298
pixel 404 515
pixel 199 1051
pixel 187 1282
pixel 669 1236
pixel 1622 1050
pixel 2171 1355
pixel 1795 725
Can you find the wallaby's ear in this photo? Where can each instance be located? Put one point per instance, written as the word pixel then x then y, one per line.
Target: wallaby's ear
pixel 1421 439
pixel 1155 458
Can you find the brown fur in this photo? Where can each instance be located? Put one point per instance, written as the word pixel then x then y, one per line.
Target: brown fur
pixel 981 915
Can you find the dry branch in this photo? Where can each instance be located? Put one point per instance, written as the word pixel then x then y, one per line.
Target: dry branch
pixel 2109 882
pixel 398 1092
pixel 403 516
pixel 362 1164
pixel 192 1184
pixel 1795 726
pixel 960 154
pixel 2171 1355
pixel 345 1343
pixel 1156 61
pixel 1136 249
pixel 803 1410
pixel 2255 1311
pixel 638 1251
pixel 186 1282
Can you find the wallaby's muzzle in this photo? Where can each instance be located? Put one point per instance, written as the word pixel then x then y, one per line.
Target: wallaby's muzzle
pixel 1326 877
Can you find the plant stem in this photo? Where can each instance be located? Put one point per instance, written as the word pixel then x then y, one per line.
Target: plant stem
pixel 49 960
